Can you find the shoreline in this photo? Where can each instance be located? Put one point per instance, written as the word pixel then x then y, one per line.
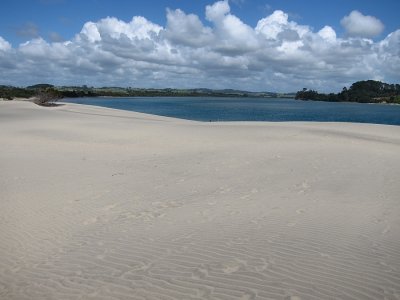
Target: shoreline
pixel 106 203
pixel 233 96
pixel 224 122
pixel 318 116
pixel 97 110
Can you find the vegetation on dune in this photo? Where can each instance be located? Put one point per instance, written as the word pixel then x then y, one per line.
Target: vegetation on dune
pixel 368 91
pixel 47 96
pixel 41 94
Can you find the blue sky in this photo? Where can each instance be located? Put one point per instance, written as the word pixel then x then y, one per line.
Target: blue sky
pixel 238 37
pixel 66 17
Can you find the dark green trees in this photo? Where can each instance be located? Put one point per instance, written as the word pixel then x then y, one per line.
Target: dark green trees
pixel 368 91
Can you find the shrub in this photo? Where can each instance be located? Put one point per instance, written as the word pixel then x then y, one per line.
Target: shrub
pixel 47 97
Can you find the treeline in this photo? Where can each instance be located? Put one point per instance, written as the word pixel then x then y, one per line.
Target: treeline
pixel 10 92
pixel 368 91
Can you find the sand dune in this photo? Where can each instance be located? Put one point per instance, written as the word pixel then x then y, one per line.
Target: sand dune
pixel 104 204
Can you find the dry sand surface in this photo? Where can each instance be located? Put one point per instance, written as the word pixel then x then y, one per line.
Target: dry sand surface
pixel 105 204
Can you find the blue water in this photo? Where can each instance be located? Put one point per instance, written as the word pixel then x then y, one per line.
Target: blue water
pixel 251 109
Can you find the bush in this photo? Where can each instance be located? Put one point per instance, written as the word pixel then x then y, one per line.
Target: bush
pixel 47 97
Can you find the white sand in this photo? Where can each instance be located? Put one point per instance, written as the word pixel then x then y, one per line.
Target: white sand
pixel 106 204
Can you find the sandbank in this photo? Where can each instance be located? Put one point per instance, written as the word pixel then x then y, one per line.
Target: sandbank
pixel 98 203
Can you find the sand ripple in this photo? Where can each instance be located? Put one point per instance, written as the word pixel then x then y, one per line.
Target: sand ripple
pixel 117 205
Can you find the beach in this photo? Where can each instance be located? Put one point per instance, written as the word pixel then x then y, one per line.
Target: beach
pixel 98 203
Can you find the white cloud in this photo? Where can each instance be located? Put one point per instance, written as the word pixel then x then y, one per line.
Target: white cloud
pixel 386 56
pixel 139 28
pixel 233 37
pixel 278 54
pixel 4 45
pixel 356 24
pixel 217 11
pixel 187 30
pixel 277 23
pixel 90 32
pixel 328 34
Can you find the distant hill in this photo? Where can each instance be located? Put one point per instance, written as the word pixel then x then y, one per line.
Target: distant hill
pixel 368 91
pixel 40 86
pixel 85 91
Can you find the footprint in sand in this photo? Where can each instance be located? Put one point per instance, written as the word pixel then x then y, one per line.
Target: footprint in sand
pixel 303 187
pixel 263 266
pixel 386 229
pixel 233 266
pixel 229 269
pixel 200 273
pixel 300 211
pixel 388 268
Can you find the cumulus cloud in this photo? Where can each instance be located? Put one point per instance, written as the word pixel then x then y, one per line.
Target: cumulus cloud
pixel 277 23
pixel 187 30
pixel 4 45
pixel 112 28
pixel 90 32
pixel 328 34
pixel 232 35
pixel 278 54
pixel 217 11
pixel 356 24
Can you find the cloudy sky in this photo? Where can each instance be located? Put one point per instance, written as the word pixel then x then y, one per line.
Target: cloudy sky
pixel 258 45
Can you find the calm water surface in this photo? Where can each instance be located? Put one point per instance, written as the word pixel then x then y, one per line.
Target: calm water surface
pixel 251 109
